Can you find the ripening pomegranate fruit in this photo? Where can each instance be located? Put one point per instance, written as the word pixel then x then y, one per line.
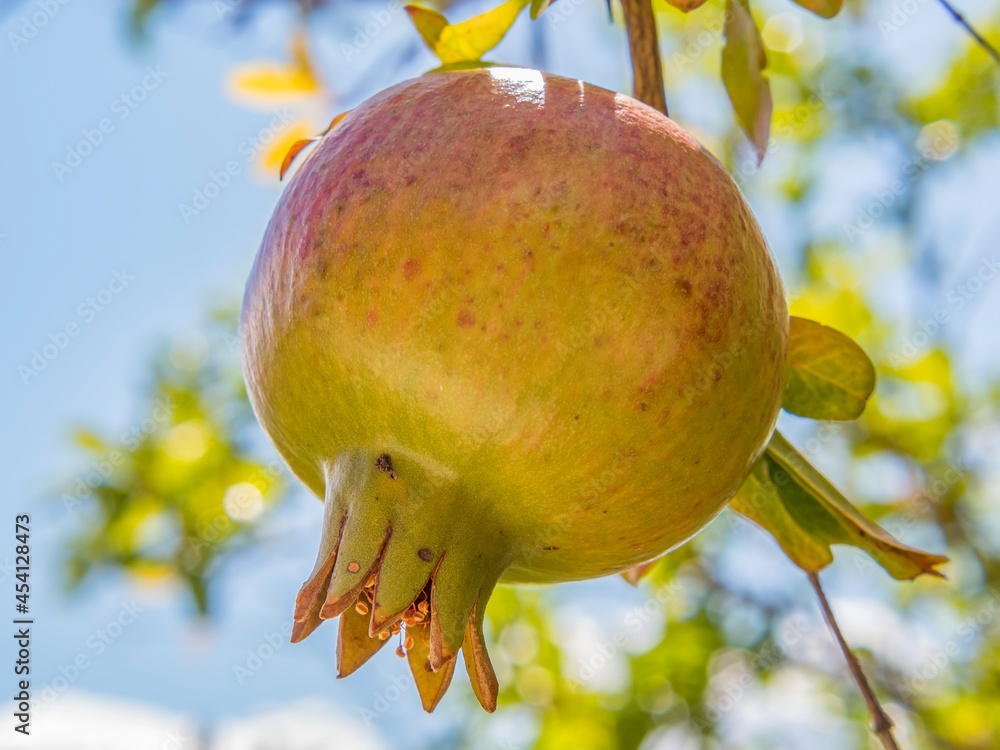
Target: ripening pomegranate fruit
pixel 511 328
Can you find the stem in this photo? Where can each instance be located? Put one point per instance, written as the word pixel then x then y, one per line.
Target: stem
pixel 644 48
pixel 972 32
pixel 882 724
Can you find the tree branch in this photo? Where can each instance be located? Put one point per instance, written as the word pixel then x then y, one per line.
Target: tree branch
pixel 980 40
pixel 882 724
pixel 644 48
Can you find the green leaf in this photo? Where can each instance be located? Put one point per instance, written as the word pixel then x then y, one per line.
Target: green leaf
pixel 468 40
pixel 823 8
pixel 743 63
pixel 802 509
pixel 829 376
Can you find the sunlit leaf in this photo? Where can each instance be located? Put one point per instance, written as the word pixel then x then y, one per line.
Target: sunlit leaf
pixel 829 376
pixel 468 40
pixel 802 509
pixel 429 23
pixel 743 63
pixel 823 8
pixel 270 81
pixel 267 82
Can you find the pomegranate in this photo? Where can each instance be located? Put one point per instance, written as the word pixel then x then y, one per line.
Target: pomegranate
pixel 512 328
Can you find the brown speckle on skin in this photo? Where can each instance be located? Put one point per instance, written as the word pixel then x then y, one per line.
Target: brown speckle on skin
pixel 549 549
pixel 410 269
pixel 353 567
pixel 425 554
pixel 384 464
pixel 466 319
pixel 642 406
pixel 683 287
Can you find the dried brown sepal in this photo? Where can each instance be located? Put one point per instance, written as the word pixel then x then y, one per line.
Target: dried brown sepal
pixel 636 574
pixel 431 685
pixel 310 597
pixel 477 663
pixel 302 630
pixel 354 646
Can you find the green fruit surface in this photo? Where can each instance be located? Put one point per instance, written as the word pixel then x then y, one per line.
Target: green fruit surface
pixel 546 295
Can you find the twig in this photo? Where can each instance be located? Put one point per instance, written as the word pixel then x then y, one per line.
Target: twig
pixel 980 40
pixel 882 724
pixel 644 48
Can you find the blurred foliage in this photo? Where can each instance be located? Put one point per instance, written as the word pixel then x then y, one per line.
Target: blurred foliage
pixel 177 493
pixel 931 433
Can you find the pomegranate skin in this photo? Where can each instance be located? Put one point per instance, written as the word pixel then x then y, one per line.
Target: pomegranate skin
pixel 544 299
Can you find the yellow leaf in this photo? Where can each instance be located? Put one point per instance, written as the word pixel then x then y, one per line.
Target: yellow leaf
pixel 428 22
pixel 267 82
pixel 468 40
